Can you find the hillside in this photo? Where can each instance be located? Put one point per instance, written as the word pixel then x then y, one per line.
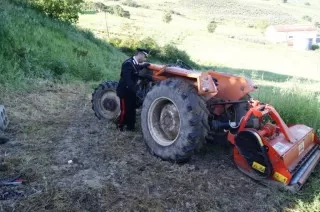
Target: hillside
pixel 248 11
pixel 238 41
pixel 35 46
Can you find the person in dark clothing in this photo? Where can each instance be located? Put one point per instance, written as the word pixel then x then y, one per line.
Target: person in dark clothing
pixel 127 88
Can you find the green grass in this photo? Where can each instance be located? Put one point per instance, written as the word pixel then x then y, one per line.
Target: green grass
pixel 35 46
pixel 297 102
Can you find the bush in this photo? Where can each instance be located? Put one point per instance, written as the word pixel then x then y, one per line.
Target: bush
pixel 167 17
pixel 171 53
pixel 130 45
pixel 174 12
pixel 317 24
pixel 119 11
pixel 145 6
pixel 150 43
pixel 307 4
pixel 212 26
pixel 167 54
pixel 315 47
pixel 307 18
pixel 131 3
pixel 65 10
pixel 262 24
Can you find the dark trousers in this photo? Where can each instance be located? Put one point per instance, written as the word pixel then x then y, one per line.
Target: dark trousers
pixel 128 112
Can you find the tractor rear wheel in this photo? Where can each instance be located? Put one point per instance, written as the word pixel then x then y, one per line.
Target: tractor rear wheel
pixel 174 120
pixel 105 102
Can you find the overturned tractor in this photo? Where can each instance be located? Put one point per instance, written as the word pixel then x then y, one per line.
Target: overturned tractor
pixel 181 109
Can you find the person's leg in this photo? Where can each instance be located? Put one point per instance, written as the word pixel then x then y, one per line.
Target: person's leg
pixel 122 118
pixel 131 112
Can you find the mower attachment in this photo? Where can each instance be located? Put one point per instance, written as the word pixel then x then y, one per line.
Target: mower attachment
pixel 273 151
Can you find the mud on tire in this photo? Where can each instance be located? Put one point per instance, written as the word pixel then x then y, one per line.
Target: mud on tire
pixel 174 120
pixel 105 102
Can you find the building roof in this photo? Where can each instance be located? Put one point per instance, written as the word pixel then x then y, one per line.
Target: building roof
pixel 294 28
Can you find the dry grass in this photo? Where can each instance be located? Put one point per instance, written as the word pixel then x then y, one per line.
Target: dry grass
pixel 112 171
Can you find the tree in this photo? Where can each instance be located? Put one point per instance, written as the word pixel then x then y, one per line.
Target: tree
pixel 119 11
pixel 212 26
pixel 307 18
pixel 167 17
pixel 65 10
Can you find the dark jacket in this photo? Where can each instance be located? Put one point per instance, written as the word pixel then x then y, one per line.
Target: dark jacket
pixel 128 78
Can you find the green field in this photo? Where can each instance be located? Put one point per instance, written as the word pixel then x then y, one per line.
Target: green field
pixel 238 41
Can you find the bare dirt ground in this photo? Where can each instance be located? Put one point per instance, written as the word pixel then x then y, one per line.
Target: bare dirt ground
pixel 111 170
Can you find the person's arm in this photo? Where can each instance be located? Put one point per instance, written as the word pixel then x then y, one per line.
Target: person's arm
pixel 143 65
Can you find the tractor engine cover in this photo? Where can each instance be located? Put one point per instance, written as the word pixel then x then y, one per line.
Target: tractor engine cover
pixel 251 147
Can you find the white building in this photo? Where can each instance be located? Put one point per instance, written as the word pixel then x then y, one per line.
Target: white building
pixel 291 33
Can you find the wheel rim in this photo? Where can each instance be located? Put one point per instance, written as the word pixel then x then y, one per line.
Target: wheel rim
pixel 110 105
pixel 164 121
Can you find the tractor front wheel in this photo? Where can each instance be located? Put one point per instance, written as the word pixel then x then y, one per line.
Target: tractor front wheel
pixel 105 102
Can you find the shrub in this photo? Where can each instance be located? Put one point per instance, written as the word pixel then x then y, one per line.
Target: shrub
pixel 307 18
pixel 145 6
pixel 100 6
pixel 315 47
pixel 167 17
pixel 171 53
pixel 307 4
pixel 131 3
pixel 262 24
pixel 65 10
pixel 212 26
pixel 151 44
pixel 116 42
pixel 174 12
pixel 130 45
pixel 167 54
pixel 119 11
pixel 317 24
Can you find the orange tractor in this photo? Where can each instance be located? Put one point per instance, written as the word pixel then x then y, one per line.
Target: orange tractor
pixel 181 109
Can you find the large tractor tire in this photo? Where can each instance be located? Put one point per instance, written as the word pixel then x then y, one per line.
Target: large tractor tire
pixel 105 102
pixel 174 120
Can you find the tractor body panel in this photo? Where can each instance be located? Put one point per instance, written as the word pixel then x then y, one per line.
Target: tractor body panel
pixel 230 88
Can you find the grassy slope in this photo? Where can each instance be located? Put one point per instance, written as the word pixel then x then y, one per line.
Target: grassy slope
pixel 34 46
